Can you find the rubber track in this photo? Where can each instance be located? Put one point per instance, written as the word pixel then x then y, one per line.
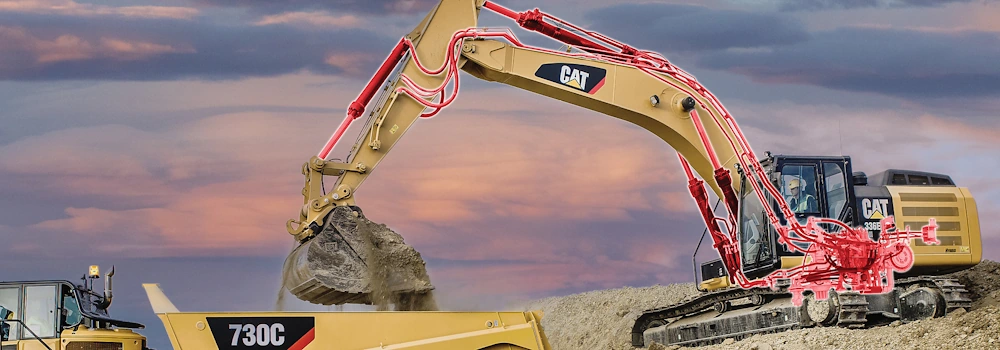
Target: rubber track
pixel 853 306
pixel 702 302
pixel 853 310
pixel 955 294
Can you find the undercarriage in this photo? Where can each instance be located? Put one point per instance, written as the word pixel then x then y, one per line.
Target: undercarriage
pixel 713 317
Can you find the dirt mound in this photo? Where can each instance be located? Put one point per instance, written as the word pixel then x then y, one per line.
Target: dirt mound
pixel 982 281
pixel 603 320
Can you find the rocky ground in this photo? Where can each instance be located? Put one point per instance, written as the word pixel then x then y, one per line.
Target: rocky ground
pixel 603 320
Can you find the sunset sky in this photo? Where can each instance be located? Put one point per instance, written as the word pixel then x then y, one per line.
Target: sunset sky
pixel 166 137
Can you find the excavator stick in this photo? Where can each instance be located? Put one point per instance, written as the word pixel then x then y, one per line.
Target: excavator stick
pixel 342 257
pixel 353 260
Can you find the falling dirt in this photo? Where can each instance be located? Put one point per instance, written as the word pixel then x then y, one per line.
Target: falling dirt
pixel 388 255
pixel 603 320
pixel 279 303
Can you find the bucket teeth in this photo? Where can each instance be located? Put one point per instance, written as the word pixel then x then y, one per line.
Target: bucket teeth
pixel 332 268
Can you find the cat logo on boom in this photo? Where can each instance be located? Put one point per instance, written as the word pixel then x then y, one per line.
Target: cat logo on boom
pixel 584 78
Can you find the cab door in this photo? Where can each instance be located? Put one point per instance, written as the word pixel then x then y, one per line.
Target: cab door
pixel 814 187
pixel 838 192
pixel 10 300
pixel 40 305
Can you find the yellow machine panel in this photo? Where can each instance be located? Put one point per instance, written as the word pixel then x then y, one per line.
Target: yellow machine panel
pixel 957 218
pixel 347 330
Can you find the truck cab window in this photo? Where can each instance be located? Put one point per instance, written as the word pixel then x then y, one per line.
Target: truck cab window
pixel 71 315
pixel 9 297
pixel 40 310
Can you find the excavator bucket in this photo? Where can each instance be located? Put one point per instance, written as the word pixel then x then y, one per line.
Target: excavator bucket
pixel 355 261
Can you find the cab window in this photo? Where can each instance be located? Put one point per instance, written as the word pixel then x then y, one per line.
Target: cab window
pixel 71 315
pixel 40 310
pixel 836 193
pixel 798 185
pixel 9 297
pixel 754 241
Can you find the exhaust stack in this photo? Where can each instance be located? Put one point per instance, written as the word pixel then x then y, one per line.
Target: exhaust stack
pixel 107 286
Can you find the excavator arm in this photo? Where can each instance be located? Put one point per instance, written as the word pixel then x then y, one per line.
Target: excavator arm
pixel 620 91
pixel 604 75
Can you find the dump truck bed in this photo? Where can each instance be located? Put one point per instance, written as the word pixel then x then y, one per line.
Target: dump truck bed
pixel 347 330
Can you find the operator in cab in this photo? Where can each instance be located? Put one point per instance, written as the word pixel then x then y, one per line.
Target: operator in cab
pixel 4 326
pixel 799 201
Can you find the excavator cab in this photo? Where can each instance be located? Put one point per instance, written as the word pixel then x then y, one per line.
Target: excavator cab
pixel 812 186
pixel 57 314
pixel 850 197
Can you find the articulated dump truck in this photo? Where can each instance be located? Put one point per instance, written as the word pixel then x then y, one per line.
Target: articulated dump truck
pixel 347 330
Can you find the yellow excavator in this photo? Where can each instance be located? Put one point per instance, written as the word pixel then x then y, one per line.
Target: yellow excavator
pixel 807 240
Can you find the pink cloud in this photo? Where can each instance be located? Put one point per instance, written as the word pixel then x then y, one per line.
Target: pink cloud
pixel 235 218
pixel 69 47
pixel 352 63
pixel 311 19
pixel 541 173
pixel 73 8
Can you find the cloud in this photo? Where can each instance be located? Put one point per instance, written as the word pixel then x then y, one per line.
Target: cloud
pixel 674 28
pixel 182 183
pixel 817 5
pixel 371 7
pixel 311 19
pixel 184 196
pixel 352 63
pixel 66 48
pixel 896 62
pixel 73 8
pixel 20 45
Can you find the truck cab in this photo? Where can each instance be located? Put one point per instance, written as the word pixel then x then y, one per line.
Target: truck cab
pixel 58 314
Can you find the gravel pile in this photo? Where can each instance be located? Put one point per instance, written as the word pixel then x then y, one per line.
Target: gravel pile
pixel 602 319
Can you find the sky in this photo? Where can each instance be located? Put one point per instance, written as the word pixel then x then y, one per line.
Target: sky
pixel 166 137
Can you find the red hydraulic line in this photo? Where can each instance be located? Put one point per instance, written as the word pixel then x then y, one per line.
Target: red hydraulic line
pixel 358 106
pixel 502 10
pixel 535 20
pixel 704 139
pixel 686 166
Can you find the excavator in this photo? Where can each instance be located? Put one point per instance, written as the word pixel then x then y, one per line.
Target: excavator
pixel 802 240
